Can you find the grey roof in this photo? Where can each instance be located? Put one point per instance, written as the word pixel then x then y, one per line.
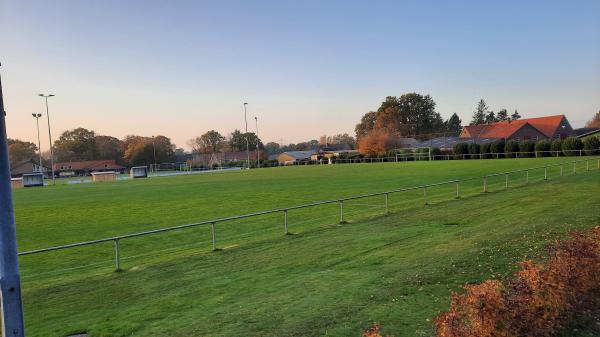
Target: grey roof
pixel 448 142
pixel 300 154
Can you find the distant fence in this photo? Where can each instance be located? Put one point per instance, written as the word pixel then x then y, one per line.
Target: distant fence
pixel 213 223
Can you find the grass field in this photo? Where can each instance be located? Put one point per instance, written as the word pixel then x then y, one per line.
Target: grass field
pixel 327 279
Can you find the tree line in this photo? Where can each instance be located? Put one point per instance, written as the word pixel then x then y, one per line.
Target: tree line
pixel 213 142
pixel 81 144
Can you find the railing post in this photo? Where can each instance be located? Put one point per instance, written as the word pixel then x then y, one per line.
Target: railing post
pixel 425 195
pixel 526 176
pixel 387 197
pixel 342 211
pixel 574 168
pixel 561 170
pixel 117 259
pixel 587 164
pixel 546 173
pixel 214 235
pixel 506 180
pixel 457 193
pixel 484 184
pixel 285 221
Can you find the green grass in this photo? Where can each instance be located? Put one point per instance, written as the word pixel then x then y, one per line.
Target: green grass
pixel 327 279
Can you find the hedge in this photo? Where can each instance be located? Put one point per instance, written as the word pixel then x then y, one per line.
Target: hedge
pixel 497 146
pixel 461 149
pixel 510 147
pixel 542 147
pixel 591 145
pixel 571 145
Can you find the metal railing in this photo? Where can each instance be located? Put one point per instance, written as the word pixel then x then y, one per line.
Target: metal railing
pixel 213 223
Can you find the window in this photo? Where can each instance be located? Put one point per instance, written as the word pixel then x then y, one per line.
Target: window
pixel 519 139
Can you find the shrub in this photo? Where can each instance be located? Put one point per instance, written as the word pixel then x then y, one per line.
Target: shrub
pixel 591 146
pixel 485 150
pixel 542 147
pixel 474 150
pixel 536 301
pixel 510 148
pixel 422 154
pixel 528 147
pixel 571 145
pixel 435 151
pixel 556 147
pixel 460 149
pixel 497 147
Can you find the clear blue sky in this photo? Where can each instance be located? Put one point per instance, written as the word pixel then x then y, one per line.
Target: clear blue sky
pixel 307 68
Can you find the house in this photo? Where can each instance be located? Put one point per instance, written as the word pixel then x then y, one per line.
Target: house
pixel 291 157
pixel 218 158
pixel 584 133
pixel 327 153
pixel 82 168
pixel 26 166
pixel 550 127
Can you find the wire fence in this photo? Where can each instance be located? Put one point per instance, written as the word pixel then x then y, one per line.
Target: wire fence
pixel 453 187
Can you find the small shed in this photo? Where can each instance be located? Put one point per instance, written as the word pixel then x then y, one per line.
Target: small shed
pixel 33 179
pixel 139 172
pixel 104 176
pixel 16 182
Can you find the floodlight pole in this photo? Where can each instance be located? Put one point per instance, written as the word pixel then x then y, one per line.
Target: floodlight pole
pixel 49 137
pixel 257 144
pixel 246 135
pixel 37 123
pixel 10 280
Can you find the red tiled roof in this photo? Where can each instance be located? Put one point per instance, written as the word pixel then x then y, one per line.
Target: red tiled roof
pixel 90 165
pixel 546 125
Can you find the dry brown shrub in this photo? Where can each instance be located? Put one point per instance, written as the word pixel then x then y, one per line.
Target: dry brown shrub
pixel 537 301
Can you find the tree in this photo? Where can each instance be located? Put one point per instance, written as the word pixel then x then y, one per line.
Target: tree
pixel 253 141
pixel 377 142
pixel 273 148
pixel 338 140
pixel 454 124
pixel 109 147
pixel 237 141
pixel 210 142
pixel 76 144
pixel 594 122
pixel 480 113
pixel 148 150
pixel 19 151
pixel 367 123
pixel 490 117
pixel 515 116
pixel 502 116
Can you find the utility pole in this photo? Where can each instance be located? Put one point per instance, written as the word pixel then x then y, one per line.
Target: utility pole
pixel 10 280
pixel 37 123
pixel 257 144
pixel 246 134
pixel 49 137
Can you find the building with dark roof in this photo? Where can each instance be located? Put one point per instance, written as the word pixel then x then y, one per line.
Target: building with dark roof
pixel 82 168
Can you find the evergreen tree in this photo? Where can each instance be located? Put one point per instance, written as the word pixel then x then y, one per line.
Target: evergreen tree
pixel 490 117
pixel 502 116
pixel 480 113
pixel 454 123
pixel 515 116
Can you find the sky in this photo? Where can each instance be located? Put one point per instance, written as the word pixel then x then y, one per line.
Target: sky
pixel 306 68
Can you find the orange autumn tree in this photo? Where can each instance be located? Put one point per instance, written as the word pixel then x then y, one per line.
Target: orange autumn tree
pixel 377 142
